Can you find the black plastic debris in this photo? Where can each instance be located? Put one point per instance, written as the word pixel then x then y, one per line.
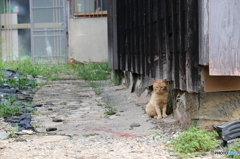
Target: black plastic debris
pixel 229 130
pixel 51 129
pixel 17 90
pixel 11 73
pixel 5 88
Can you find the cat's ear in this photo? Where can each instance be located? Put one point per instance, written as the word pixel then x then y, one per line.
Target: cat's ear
pixel 153 81
pixel 165 80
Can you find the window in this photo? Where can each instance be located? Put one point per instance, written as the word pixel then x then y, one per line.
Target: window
pixel 89 8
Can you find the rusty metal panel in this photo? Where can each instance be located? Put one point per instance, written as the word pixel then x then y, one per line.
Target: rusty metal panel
pixel 224 37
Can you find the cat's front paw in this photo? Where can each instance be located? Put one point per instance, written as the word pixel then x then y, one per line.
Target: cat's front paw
pixel 164 116
pixel 159 117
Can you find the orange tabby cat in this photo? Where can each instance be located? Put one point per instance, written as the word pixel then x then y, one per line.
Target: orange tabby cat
pixel 157 105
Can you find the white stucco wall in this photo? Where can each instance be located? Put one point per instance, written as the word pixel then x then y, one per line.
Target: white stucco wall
pixel 88 39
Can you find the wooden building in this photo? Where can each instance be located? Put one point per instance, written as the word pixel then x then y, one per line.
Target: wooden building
pixel 194 44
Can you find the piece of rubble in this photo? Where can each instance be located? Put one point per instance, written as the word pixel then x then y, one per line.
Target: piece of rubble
pixel 229 130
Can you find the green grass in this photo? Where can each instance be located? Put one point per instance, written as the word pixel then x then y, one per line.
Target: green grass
pixel 92 134
pixel 94 71
pixel 193 141
pixel 90 72
pixel 157 134
pixel 8 108
pixel 48 70
pixel 234 147
pixel 12 131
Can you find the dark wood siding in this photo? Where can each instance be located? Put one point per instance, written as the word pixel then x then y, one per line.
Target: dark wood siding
pixel 157 39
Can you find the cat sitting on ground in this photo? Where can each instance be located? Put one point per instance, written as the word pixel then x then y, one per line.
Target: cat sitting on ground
pixel 157 105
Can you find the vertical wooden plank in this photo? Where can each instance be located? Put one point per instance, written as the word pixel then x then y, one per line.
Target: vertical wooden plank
pixel 120 34
pixel 151 44
pixel 115 38
pixel 130 31
pixel 160 32
pixel 167 45
pixel 128 36
pixel 224 38
pixel 133 43
pixel 142 5
pixel 203 32
pixel 124 34
pixel 175 53
pixel 182 55
pixel 147 57
pixel 192 57
pixel 138 36
pixel 144 59
pixel 110 35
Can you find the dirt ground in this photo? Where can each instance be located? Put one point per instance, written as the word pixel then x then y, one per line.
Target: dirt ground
pixel 83 130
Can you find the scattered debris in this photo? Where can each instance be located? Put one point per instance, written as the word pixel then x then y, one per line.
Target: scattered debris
pixel 51 129
pixel 57 120
pixel 134 125
pixel 20 140
pixel 229 130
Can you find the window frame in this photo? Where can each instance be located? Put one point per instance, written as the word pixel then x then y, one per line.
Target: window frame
pixel 95 13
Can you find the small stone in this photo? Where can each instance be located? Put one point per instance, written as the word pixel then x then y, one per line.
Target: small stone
pixel 38 105
pixel 4 135
pixel 57 120
pixel 25 132
pixel 49 103
pixel 51 129
pixel 3 147
pixel 20 140
pixel 50 108
pixel 134 125
pixel 112 117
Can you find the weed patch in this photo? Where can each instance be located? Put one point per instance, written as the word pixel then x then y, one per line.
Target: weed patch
pixel 12 131
pixel 109 106
pixel 110 111
pixel 157 134
pixel 94 71
pixel 92 134
pixel 8 108
pixel 234 147
pixel 193 141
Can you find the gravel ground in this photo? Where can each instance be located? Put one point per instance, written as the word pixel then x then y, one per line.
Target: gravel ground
pixel 114 140
pixel 86 148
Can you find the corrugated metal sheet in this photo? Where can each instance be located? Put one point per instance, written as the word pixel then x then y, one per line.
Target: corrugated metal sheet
pixel 224 37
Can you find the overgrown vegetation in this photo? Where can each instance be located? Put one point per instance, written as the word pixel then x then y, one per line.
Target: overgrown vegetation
pixel 110 111
pixel 110 107
pixel 12 131
pixel 193 142
pixel 235 148
pixel 93 73
pixel 8 108
pixel 48 70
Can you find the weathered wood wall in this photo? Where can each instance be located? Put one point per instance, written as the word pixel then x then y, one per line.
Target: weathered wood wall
pixel 224 37
pixel 157 39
